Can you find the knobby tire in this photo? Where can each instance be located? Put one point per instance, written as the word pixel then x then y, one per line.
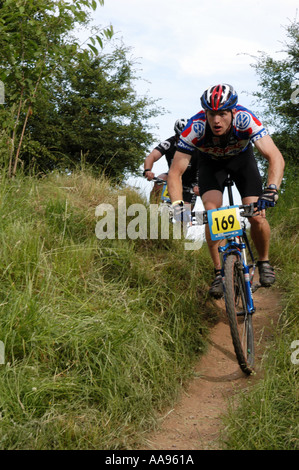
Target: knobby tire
pixel 240 325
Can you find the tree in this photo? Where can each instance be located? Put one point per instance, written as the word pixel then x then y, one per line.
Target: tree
pixel 276 79
pixel 34 39
pixel 91 113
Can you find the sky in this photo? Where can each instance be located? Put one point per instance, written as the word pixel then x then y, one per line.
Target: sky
pixel 182 47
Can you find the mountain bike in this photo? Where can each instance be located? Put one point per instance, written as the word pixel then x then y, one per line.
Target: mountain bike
pixel 229 223
pixel 165 198
pixel 165 202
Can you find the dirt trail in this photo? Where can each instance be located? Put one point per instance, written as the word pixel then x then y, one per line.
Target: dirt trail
pixel 195 421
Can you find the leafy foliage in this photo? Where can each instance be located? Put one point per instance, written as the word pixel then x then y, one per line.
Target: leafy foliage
pixel 33 40
pixel 91 115
pixel 276 78
pixel 66 104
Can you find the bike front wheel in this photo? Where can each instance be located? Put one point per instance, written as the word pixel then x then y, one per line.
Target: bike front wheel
pixel 240 321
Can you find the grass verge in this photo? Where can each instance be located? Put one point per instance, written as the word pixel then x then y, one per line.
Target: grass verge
pixel 97 334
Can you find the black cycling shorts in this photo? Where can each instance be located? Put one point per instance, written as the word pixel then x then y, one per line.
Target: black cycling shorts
pixel 242 168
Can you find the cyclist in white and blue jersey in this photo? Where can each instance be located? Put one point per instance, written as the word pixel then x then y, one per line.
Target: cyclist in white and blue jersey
pixel 222 135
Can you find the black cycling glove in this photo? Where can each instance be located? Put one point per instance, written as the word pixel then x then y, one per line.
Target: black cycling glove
pixel 268 198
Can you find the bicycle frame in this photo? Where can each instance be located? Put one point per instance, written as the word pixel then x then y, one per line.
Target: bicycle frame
pixel 235 244
pixel 239 249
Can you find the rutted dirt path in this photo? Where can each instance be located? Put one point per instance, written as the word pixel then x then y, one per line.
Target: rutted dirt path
pixel 195 421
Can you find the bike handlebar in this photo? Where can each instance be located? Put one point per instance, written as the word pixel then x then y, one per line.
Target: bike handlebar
pixel 201 217
pixel 159 182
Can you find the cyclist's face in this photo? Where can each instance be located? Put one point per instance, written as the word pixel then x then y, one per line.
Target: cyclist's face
pixel 219 121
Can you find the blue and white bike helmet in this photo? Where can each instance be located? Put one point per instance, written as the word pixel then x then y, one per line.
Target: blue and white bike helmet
pixel 179 125
pixel 219 97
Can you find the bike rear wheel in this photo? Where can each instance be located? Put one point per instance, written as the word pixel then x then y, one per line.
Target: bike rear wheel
pixel 240 320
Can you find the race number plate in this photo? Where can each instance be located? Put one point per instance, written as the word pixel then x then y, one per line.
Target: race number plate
pixel 224 222
pixel 165 196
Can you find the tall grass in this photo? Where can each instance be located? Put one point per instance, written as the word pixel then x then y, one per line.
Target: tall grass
pixel 267 417
pixel 98 334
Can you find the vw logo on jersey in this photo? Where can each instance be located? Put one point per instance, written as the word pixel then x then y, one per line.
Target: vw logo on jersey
pixel 243 120
pixel 198 127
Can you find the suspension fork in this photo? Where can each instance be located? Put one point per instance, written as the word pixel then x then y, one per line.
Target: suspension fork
pixel 239 250
pixel 249 299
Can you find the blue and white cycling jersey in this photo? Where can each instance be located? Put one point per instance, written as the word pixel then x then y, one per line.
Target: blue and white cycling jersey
pixel 246 128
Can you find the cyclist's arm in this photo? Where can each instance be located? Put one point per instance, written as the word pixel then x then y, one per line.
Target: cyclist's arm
pixel 174 181
pixel 153 157
pixel 268 149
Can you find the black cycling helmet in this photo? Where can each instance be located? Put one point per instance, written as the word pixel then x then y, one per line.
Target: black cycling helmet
pixel 219 97
pixel 179 125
